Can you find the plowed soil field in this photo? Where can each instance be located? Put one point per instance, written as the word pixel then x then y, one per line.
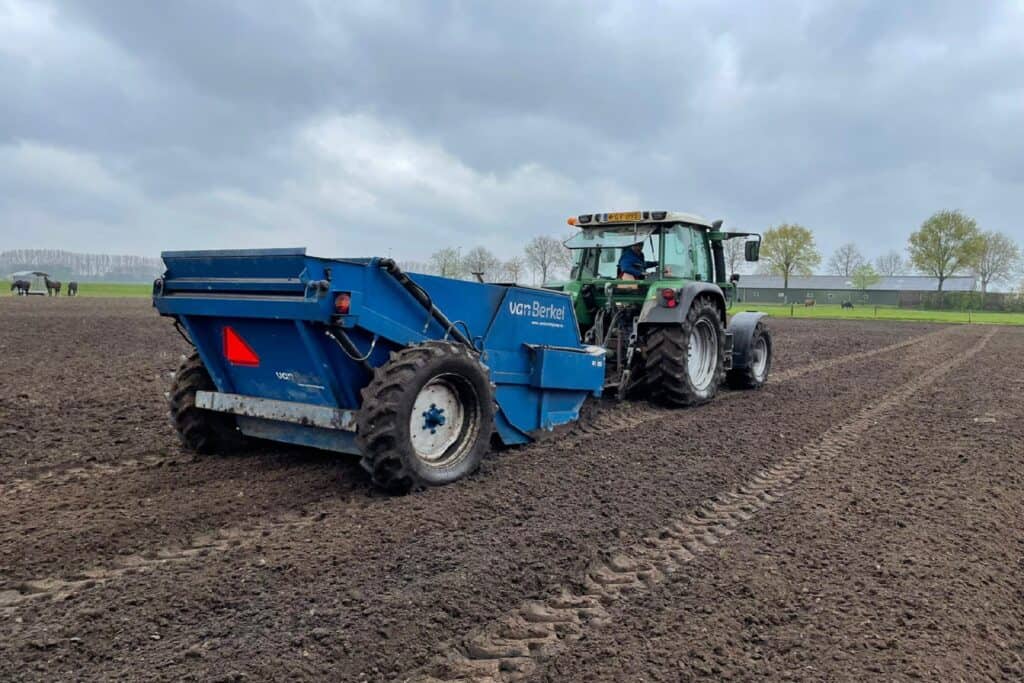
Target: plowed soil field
pixel 862 517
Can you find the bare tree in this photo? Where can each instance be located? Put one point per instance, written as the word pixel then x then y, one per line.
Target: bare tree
pixel 546 256
pixel 998 259
pixel 447 263
pixel 481 260
pixel 890 264
pixel 416 267
pixel 735 254
pixel 512 270
pixel 845 260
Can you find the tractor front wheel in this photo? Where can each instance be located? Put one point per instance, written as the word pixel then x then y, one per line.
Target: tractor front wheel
pixel 202 431
pixel 427 417
pixel 684 364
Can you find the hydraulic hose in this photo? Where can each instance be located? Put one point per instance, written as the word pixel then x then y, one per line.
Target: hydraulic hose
pixel 423 298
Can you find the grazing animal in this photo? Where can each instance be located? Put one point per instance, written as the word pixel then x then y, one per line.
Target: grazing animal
pixel 52 286
pixel 808 302
pixel 848 304
pixel 22 286
pixel 72 288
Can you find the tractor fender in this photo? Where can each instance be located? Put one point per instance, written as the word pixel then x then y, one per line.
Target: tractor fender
pixel 653 313
pixel 742 326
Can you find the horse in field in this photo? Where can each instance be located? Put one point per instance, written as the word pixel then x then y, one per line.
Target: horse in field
pixel 72 288
pixel 22 286
pixel 52 287
pixel 808 302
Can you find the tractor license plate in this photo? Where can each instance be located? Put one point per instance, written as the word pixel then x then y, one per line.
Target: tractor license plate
pixel 624 217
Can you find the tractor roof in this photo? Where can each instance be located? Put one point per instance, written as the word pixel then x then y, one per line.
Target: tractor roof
pixel 593 220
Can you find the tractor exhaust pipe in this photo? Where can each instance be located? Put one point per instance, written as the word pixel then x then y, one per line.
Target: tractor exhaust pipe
pixel 423 298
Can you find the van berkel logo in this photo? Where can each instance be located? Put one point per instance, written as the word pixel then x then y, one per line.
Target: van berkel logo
pixel 535 309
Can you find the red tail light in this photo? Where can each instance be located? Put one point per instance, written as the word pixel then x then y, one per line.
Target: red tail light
pixel 343 302
pixel 237 351
pixel 668 296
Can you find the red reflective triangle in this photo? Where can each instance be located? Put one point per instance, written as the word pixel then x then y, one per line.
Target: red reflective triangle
pixel 237 351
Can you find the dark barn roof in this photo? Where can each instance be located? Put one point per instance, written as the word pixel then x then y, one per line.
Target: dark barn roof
pixel 899 283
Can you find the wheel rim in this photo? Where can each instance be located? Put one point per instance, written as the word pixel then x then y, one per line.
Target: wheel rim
pixel 441 417
pixel 759 361
pixel 702 357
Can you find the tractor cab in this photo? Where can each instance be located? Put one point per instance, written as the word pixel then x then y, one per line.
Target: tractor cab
pixel 651 288
pixel 677 243
pixel 677 249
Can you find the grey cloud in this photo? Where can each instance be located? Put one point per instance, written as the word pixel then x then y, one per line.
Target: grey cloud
pixel 214 122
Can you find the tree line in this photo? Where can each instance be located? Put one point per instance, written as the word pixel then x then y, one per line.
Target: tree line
pixel 948 243
pixel 66 264
pixel 543 257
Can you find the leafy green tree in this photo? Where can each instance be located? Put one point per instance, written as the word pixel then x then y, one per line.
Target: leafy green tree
pixel 947 243
pixel 864 276
pixel 789 250
pixel 998 260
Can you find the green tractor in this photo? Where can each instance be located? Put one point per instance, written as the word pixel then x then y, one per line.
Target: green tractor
pixel 651 288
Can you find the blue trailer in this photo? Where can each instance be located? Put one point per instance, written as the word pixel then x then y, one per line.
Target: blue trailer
pixel 414 373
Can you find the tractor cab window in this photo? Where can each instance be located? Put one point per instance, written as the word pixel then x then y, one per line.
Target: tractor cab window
pixel 686 254
pixel 596 252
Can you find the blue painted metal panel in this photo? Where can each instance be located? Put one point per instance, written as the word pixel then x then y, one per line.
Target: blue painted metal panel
pixel 281 302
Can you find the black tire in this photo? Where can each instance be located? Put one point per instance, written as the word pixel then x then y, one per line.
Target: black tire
pixel 755 374
pixel 384 430
pixel 667 379
pixel 202 431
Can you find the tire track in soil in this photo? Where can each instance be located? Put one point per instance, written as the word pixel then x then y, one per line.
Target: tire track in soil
pixel 512 647
pixel 603 421
pixel 609 416
pixel 607 419
pixel 221 540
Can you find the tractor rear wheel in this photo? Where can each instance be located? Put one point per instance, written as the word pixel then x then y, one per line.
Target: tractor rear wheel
pixel 202 431
pixel 427 417
pixel 684 364
pixel 759 362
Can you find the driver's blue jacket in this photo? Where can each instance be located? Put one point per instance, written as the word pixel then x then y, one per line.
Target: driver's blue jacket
pixel 634 264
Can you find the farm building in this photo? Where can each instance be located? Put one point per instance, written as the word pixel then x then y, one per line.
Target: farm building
pixel 902 290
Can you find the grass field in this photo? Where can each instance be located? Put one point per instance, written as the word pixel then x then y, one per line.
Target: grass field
pixel 109 289
pixel 822 311
pixel 835 312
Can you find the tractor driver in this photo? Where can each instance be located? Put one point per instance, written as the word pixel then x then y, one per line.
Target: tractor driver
pixel 632 265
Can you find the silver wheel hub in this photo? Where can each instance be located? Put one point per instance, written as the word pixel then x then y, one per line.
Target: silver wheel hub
pixel 702 356
pixel 436 421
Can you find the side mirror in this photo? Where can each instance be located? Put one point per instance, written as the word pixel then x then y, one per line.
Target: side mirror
pixel 735 277
pixel 752 251
pixel 716 225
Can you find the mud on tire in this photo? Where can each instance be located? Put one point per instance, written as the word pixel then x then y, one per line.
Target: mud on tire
pixel 667 377
pixel 755 374
pixel 431 387
pixel 199 430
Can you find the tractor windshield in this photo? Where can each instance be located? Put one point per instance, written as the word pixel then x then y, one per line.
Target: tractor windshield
pixel 615 236
pixel 596 255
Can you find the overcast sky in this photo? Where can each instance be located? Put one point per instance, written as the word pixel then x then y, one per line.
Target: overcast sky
pixel 355 128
